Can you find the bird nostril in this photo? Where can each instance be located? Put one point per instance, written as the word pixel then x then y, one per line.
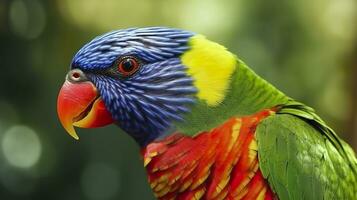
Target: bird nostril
pixel 76 75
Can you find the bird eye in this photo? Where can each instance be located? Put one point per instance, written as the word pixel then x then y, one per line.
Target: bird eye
pixel 128 66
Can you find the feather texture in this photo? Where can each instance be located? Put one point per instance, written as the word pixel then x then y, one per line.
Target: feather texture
pixel 211 66
pixel 302 158
pixel 151 44
pixel 219 164
pixel 156 96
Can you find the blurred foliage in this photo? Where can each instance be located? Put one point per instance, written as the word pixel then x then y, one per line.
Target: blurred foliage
pixel 306 48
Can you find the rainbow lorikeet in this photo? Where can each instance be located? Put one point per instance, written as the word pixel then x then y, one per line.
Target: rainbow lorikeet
pixel 207 125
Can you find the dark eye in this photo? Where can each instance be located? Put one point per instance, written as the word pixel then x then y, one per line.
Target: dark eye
pixel 128 66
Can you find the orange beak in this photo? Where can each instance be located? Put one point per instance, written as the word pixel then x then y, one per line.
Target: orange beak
pixel 79 104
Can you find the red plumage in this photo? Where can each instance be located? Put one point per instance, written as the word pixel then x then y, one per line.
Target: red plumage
pixel 219 164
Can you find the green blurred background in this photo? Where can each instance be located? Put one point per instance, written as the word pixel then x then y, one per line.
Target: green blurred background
pixel 306 48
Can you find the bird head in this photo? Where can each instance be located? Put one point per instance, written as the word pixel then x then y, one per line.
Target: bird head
pixel 145 80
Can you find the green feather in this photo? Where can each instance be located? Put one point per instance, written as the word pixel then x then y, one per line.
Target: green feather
pixel 304 163
pixel 247 94
pixel 299 155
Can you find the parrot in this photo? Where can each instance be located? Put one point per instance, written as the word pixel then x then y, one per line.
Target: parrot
pixel 208 127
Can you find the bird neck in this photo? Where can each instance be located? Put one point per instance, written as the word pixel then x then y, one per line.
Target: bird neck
pixel 247 94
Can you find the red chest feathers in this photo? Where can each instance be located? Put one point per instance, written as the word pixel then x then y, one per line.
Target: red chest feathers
pixel 219 164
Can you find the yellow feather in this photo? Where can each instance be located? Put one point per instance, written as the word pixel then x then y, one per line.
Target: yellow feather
pixel 211 66
pixel 199 194
pixel 261 195
pixel 185 185
pixel 147 160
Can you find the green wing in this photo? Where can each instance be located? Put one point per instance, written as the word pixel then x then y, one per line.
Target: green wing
pixel 303 158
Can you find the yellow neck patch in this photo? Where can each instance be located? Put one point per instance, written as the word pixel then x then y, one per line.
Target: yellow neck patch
pixel 211 67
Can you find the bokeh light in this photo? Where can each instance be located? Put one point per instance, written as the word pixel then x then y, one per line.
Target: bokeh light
pixel 21 146
pixel 208 15
pixel 339 18
pixel 27 18
pixel 95 16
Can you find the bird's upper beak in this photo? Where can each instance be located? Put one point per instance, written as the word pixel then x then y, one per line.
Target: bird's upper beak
pixel 79 104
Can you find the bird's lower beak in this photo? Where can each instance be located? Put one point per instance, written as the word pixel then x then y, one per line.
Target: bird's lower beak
pixel 79 104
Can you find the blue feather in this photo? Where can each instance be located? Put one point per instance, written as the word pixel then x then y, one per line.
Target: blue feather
pixel 146 104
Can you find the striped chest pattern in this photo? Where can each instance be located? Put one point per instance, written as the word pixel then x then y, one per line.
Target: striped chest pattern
pixel 219 164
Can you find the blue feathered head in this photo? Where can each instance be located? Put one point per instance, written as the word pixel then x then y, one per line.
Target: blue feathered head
pixel 139 77
pixel 146 80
